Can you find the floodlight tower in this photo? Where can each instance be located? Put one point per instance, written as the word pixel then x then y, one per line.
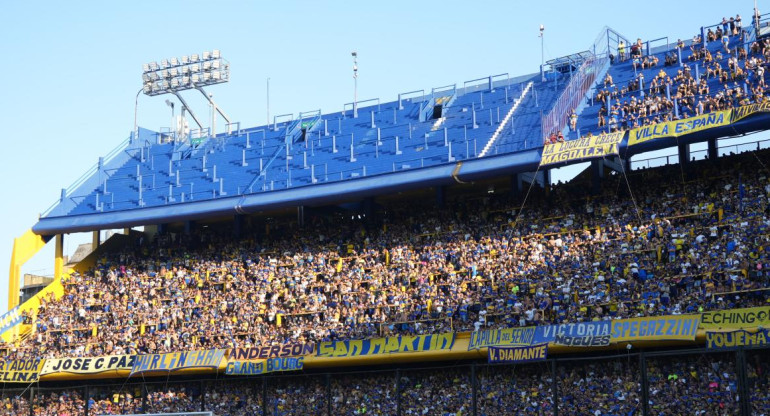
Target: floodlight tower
pixel 355 84
pixel 191 72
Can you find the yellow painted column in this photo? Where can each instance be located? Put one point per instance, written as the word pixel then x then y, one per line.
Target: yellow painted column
pixel 95 240
pixel 13 279
pixel 24 247
pixel 127 231
pixel 58 265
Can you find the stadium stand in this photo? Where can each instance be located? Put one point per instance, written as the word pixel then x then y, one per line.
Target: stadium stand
pixel 639 247
pixel 570 257
pixel 677 81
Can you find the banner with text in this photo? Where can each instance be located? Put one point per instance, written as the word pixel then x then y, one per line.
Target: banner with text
pixel 506 337
pixel 20 371
pixel 517 354
pixel 270 365
pixel 659 328
pixel 678 128
pixel 389 345
pixel 736 318
pixel 739 338
pixel 605 144
pixel 173 361
pixel 88 365
pixel 271 351
pixel 582 334
pixel 739 113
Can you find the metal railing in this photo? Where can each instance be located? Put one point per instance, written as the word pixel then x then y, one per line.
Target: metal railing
pixel 580 83
pixel 88 173
pixel 673 158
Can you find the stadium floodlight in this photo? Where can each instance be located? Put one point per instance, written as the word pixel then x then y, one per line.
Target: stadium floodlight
pixel 355 83
pixel 542 54
pixel 200 70
pixel 194 71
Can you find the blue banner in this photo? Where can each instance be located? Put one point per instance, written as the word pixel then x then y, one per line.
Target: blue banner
pixel 9 319
pixel 257 367
pixel 173 361
pixel 547 333
pixel 517 354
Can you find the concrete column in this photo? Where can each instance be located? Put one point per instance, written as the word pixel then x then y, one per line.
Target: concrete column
pixel 713 149
pixel 301 216
pixel 440 196
pixel 597 174
pixel 684 154
pixel 58 266
pixel 95 240
pixel 237 225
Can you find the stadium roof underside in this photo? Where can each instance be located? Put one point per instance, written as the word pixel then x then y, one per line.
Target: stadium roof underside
pixel 366 186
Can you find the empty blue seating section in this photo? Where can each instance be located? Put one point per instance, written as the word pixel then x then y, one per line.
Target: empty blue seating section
pixel 333 147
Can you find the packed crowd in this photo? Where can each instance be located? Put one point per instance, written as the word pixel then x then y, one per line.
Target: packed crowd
pixel 673 248
pixel 13 405
pixel 515 390
pixel 699 384
pixel 368 394
pixel 758 375
pixel 738 65
pixel 706 385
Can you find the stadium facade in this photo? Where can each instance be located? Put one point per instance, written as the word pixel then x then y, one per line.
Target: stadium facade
pixel 699 346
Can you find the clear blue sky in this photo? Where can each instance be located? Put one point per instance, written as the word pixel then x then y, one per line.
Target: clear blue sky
pixel 70 70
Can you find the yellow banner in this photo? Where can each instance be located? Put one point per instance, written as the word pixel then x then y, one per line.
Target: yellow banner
pixel 506 337
pixel 93 365
pixel 679 127
pixel 744 111
pixel 20 371
pixel 659 328
pixel 739 338
pixel 584 148
pixel 389 345
pixel 736 318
